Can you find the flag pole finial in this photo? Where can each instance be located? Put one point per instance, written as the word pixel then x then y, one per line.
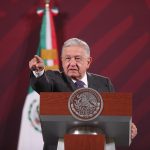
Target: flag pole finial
pixel 47 3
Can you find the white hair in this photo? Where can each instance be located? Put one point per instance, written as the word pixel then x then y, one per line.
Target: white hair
pixel 76 42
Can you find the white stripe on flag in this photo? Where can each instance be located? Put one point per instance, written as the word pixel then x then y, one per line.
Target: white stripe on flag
pixel 48 30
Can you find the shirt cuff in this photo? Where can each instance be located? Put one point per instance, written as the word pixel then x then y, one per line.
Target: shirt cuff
pixel 38 74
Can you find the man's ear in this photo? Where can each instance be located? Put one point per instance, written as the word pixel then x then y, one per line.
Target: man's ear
pixel 89 61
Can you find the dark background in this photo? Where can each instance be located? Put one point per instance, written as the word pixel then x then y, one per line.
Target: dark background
pixel 118 32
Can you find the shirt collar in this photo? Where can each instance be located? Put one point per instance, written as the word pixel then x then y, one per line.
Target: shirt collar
pixel 84 79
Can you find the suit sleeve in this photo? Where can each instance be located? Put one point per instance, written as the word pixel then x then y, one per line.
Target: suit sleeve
pixel 110 85
pixel 43 83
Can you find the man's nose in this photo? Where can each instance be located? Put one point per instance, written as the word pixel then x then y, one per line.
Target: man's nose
pixel 73 61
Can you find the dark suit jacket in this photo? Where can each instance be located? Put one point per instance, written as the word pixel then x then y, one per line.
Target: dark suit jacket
pixel 55 81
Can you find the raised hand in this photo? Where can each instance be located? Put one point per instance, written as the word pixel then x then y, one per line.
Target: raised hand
pixel 36 63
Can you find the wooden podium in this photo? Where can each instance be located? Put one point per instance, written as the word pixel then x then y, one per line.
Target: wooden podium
pixel 115 121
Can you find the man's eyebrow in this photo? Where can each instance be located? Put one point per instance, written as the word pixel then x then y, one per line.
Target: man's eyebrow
pixel 73 56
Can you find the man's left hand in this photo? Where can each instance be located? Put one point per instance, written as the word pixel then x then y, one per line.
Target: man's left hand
pixel 133 130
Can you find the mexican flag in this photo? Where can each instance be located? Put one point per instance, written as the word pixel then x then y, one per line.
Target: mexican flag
pixel 30 137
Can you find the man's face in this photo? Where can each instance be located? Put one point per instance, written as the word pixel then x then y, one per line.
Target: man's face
pixel 75 61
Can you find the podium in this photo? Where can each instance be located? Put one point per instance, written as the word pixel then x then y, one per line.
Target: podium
pixel 114 121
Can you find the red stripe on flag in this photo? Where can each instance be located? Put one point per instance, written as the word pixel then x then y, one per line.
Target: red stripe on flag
pixel 56 62
pixel 54 45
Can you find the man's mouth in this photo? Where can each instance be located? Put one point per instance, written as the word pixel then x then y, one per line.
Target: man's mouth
pixel 72 69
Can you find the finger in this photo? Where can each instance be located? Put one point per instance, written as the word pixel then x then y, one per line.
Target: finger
pixel 33 63
pixel 38 58
pixel 36 63
pixel 133 130
pixel 40 65
pixel 133 127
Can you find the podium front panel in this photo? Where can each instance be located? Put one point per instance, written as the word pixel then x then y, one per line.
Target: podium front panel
pixel 114 121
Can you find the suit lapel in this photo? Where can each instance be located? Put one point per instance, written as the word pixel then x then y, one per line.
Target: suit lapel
pixel 69 82
pixel 91 82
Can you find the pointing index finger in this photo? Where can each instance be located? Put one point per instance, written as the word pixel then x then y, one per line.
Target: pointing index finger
pixel 38 59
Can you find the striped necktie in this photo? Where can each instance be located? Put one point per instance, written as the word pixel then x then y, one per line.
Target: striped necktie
pixel 79 84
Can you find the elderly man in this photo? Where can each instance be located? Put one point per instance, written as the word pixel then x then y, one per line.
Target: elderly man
pixel 76 60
